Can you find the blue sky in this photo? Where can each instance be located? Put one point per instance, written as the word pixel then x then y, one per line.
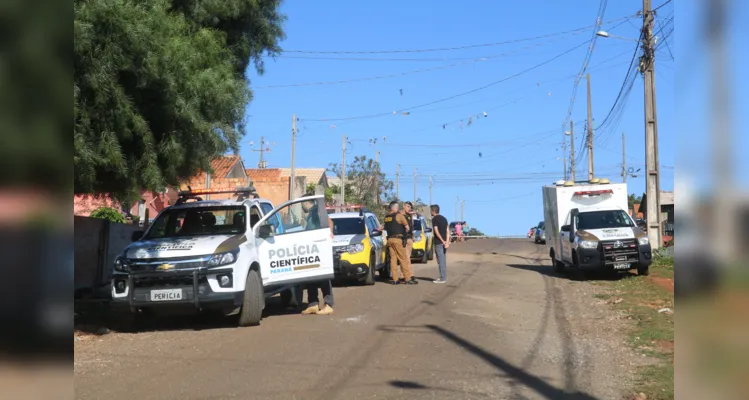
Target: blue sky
pixel 519 139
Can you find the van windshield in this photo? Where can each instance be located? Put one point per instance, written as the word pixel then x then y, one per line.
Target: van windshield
pixel 198 221
pixel 603 220
pixel 348 226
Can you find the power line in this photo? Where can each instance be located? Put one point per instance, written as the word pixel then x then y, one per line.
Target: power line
pixel 591 46
pixel 660 6
pixel 416 71
pixel 470 46
pixel 457 95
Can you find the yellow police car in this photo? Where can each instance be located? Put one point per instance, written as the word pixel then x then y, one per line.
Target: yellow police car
pixel 358 246
pixel 422 240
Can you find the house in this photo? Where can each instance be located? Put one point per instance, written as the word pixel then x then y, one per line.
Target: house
pixel 270 184
pixel 228 172
pixel 311 176
pixel 667 213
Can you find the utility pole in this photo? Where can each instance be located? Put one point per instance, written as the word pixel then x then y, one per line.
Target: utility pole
pixel 624 159
pixel 590 132
pixel 293 156
pixel 572 150
pixel 431 184
pixel 377 178
pixel 397 182
pixel 462 210
pixel 652 189
pixel 414 200
pixel 343 172
pixel 261 150
pixel 564 153
pixel 457 202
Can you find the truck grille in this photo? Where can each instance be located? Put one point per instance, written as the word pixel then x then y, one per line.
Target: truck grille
pixel 337 251
pixel 166 281
pixel 620 251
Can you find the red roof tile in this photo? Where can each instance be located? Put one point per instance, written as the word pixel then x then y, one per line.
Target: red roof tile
pixel 263 173
pixel 222 165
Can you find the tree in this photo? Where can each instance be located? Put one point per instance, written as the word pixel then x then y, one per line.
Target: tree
pixel 633 199
pixel 365 183
pixel 109 214
pixel 160 87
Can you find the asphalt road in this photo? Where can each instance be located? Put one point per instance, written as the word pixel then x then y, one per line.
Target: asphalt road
pixel 503 327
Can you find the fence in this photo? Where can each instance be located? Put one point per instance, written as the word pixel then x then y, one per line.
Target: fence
pixel 97 243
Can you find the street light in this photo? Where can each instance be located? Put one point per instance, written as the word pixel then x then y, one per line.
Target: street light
pixel 608 35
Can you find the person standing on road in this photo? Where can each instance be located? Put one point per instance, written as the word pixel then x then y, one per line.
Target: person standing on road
pixel 459 231
pixel 326 287
pixel 407 210
pixel 397 229
pixel 442 233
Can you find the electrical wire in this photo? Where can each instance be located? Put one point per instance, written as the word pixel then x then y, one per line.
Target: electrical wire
pixel 662 5
pixel 453 96
pixel 470 46
pixel 395 75
pixel 591 46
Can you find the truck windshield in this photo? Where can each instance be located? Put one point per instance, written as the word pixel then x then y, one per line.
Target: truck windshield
pixel 417 225
pixel 603 220
pixel 198 221
pixel 348 226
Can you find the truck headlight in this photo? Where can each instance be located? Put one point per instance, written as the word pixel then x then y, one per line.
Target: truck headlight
pixel 589 244
pixel 121 264
pixel 355 248
pixel 644 241
pixel 220 259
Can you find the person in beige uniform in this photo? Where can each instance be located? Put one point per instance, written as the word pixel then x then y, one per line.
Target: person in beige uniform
pixel 397 228
pixel 408 208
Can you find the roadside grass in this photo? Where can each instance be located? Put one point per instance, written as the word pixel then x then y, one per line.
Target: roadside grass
pixel 651 308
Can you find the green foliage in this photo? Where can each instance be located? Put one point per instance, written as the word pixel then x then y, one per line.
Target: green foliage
pixel 160 87
pixel 473 232
pixel 109 214
pixel 364 181
pixel 633 199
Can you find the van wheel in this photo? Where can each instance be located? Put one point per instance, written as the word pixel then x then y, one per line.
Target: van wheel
pixel 370 279
pixel 253 301
pixel 424 257
pixel 558 265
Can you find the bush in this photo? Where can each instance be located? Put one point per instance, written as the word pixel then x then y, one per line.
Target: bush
pixel 663 256
pixel 109 214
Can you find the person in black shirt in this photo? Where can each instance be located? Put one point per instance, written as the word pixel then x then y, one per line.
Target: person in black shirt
pixel 442 235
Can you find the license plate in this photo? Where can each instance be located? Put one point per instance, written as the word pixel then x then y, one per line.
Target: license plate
pixel 621 258
pixel 621 266
pixel 166 295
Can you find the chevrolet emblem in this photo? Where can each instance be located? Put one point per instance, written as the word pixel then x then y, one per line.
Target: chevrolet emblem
pixel 618 244
pixel 165 267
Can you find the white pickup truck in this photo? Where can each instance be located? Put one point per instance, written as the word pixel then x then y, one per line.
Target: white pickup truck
pixel 228 255
pixel 588 227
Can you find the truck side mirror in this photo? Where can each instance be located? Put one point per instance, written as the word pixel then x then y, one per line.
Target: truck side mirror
pixel 266 230
pixel 137 235
pixel 566 228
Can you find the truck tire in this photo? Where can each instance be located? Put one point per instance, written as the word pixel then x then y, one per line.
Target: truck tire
pixel 431 251
pixel 253 301
pixel 369 280
pixel 643 270
pixel 292 298
pixel 558 265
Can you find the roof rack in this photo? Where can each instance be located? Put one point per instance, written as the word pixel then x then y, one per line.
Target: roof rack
pixel 242 193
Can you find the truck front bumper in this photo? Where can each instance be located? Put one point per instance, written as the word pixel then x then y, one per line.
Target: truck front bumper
pixel 192 285
pixel 596 259
pixel 417 254
pixel 346 270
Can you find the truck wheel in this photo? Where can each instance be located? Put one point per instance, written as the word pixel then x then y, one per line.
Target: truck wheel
pixel 559 266
pixel 253 301
pixel 424 257
pixel 643 271
pixel 370 278
pixel 431 252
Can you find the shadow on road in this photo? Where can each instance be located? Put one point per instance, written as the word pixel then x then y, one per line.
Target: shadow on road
pixel 573 275
pixel 531 381
pixel 100 317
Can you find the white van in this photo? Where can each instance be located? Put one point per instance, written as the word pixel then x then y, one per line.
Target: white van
pixel 588 227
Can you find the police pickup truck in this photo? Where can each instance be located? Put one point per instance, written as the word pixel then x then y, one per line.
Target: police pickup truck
pixel 226 255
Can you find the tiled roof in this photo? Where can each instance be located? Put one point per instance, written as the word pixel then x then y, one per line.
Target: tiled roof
pixel 222 165
pixel 313 175
pixel 263 173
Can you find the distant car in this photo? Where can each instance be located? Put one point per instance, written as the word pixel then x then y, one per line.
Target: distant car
pixel 540 236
